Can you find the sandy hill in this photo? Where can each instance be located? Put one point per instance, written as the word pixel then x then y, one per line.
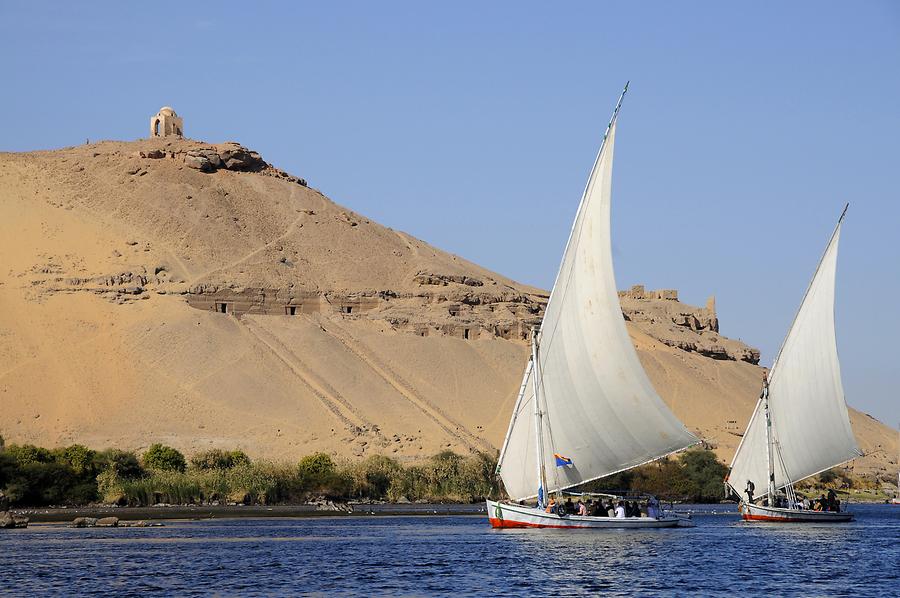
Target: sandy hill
pixel 176 291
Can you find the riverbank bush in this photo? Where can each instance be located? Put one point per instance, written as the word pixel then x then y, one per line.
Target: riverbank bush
pixel 164 458
pixel 695 475
pixel 76 475
pixel 219 459
pixel 32 475
pixel 446 476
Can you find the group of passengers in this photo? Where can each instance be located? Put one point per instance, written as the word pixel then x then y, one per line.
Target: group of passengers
pixel 823 503
pixel 597 508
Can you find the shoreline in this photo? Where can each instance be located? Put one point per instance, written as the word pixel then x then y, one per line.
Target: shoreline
pixel 202 512
pixel 198 512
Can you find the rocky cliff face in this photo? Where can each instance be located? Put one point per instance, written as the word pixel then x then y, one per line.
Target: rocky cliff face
pixel 190 293
pixel 694 329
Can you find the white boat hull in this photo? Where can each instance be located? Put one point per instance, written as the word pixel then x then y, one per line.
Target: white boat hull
pixel 506 515
pixel 780 515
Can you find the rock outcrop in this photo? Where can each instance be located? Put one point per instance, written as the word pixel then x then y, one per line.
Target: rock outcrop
pixel 692 329
pixel 110 522
pixel 229 156
pixel 84 522
pixel 323 504
pixel 10 520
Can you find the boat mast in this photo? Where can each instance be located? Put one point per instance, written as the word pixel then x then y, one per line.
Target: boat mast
pixel 770 457
pixel 538 420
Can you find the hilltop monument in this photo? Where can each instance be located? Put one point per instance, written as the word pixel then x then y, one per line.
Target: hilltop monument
pixel 166 122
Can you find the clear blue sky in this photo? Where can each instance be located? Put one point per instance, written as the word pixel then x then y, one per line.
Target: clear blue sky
pixel 473 125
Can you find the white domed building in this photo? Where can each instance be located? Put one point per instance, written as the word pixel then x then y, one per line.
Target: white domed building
pixel 166 122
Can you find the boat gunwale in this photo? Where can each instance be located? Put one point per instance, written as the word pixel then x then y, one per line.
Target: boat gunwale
pixel 575 520
pixel 789 515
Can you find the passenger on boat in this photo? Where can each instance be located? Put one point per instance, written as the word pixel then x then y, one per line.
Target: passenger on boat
pixel 598 509
pixel 551 506
pixel 804 504
pixel 582 509
pixel 819 504
pixel 653 507
pixel 620 510
pixel 570 507
pixel 636 509
pixel 751 487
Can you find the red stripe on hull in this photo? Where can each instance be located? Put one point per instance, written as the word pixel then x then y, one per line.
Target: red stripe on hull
pixel 503 523
pixel 749 517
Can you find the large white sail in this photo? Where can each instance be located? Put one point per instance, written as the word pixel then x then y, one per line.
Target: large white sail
pixel 810 424
pixel 599 408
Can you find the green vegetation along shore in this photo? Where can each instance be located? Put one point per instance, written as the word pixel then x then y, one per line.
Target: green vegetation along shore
pixel 75 475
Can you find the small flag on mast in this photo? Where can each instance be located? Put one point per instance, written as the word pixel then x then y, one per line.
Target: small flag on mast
pixel 562 461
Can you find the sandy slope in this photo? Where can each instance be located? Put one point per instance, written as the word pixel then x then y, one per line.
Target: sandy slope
pixel 100 251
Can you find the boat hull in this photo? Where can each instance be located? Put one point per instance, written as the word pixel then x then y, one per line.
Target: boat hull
pixel 505 515
pixel 780 515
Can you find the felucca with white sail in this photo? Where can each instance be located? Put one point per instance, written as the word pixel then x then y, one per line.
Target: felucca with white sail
pixel 800 426
pixel 586 408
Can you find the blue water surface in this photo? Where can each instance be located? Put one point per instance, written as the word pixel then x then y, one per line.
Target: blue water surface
pixel 456 555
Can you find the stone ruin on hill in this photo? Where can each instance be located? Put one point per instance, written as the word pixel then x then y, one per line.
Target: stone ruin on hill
pixel 695 318
pixel 165 123
pixel 662 316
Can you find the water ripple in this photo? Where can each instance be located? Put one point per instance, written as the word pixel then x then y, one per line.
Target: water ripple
pixel 459 556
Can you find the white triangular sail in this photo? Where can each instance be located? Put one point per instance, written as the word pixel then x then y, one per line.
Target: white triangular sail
pixel 599 408
pixel 810 423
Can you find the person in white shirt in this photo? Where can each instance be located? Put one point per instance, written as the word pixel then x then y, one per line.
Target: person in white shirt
pixel 653 507
pixel 620 510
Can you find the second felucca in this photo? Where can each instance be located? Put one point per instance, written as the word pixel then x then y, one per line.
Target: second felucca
pixel 800 426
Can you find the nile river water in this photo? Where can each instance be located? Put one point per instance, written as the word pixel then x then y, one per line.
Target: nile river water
pixel 455 555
